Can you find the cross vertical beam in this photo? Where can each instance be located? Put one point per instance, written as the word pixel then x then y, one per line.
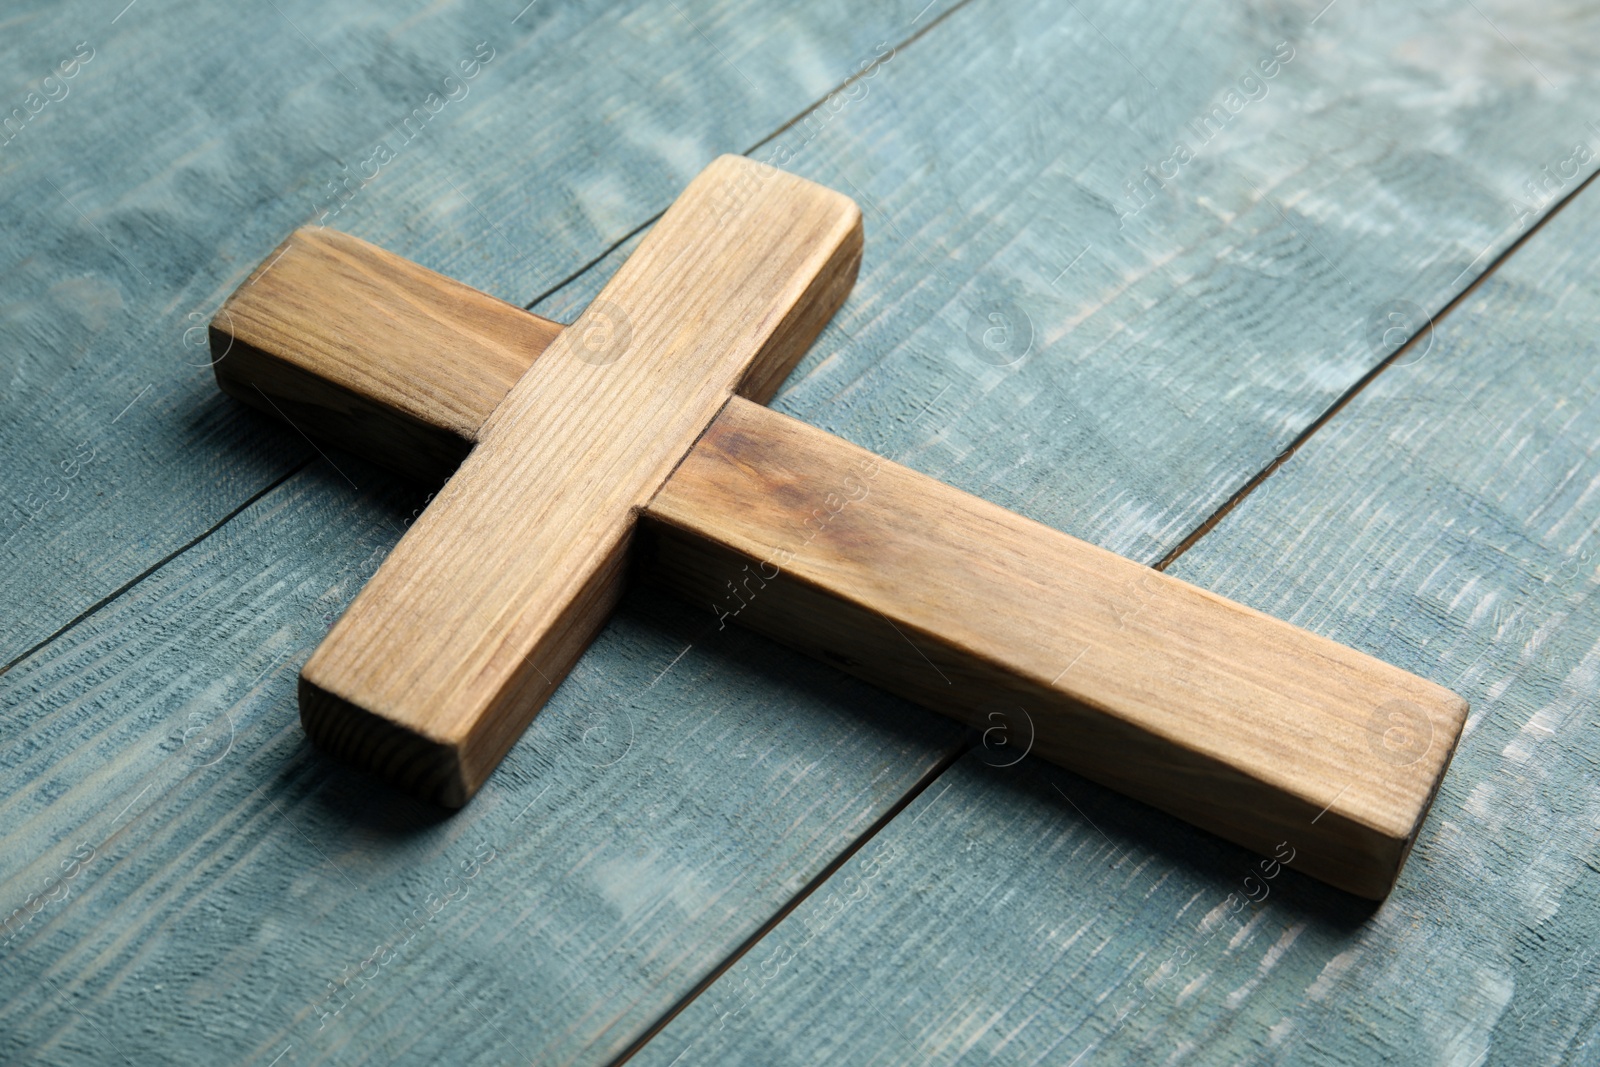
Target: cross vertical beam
pixel 466 629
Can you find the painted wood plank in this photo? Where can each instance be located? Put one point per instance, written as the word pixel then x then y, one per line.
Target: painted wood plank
pixel 1198 335
pixel 916 150
pixel 164 175
pixel 1445 520
pixel 629 926
pixel 523 218
pixel 231 894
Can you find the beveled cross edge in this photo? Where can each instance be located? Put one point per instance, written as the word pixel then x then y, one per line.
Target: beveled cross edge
pixel 1245 725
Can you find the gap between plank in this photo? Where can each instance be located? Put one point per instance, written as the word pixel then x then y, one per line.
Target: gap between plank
pixel 1200 531
pixel 948 760
pixel 158 564
pixel 562 284
pixel 793 122
pixel 817 882
pixel 1361 383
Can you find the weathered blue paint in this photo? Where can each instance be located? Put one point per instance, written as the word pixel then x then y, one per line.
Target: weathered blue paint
pixel 197 884
pixel 1445 520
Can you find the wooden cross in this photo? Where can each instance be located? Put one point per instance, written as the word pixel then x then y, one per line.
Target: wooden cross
pixel 635 440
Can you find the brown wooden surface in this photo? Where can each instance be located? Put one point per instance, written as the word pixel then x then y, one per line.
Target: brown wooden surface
pixel 1257 730
pixel 1267 734
pixel 358 346
pixel 466 629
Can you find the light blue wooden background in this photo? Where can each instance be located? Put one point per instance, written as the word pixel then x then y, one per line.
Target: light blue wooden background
pixel 189 882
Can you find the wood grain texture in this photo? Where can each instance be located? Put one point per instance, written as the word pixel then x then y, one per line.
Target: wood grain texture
pixel 1178 362
pixel 246 895
pixel 447 654
pixel 194 195
pixel 136 220
pixel 1219 714
pixel 356 346
pixel 1195 340
pixel 255 906
pixel 1446 520
pixel 1223 716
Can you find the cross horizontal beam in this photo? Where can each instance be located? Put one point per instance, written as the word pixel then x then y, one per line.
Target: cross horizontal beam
pixel 1226 717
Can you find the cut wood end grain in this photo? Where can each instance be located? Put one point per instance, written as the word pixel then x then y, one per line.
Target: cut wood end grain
pixel 423 766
